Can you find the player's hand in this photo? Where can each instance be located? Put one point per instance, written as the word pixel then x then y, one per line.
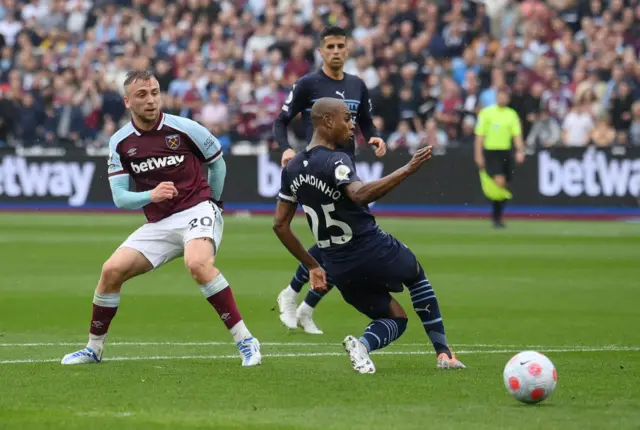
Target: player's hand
pixel 479 159
pixel 164 191
pixel 287 156
pixel 520 155
pixel 380 145
pixel 318 280
pixel 419 158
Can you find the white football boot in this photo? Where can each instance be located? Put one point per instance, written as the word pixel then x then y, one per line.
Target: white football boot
pixel 359 355
pixel 250 351
pixel 84 356
pixel 304 316
pixel 287 307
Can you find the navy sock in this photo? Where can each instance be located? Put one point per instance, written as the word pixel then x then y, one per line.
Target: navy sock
pixel 426 306
pixel 300 278
pixel 382 332
pixel 314 297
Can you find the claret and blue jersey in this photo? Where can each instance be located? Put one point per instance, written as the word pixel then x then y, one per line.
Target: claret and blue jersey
pixel 173 150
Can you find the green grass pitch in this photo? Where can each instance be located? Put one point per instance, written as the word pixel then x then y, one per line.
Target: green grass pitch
pixel 569 289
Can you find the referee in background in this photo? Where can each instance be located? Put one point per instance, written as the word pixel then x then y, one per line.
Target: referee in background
pixel 497 129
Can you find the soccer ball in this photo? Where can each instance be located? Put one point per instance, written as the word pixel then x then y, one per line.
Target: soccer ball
pixel 530 377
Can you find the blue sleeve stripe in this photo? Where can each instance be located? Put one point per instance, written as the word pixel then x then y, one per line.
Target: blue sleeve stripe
pixel 214 157
pixel 119 172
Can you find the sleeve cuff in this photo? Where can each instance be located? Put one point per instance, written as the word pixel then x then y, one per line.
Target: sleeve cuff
pixel 214 157
pixel 287 198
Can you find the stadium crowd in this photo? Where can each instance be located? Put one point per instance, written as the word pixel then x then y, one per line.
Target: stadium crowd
pixel 572 66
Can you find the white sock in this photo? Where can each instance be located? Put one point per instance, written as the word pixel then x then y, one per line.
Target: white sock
pixel 240 331
pixel 304 308
pixel 96 342
pixel 214 286
pixel 291 292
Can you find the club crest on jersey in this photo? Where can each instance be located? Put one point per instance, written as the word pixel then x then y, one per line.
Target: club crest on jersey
pixel 173 141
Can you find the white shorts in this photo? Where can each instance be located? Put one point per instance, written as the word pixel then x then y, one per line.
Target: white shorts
pixel 162 241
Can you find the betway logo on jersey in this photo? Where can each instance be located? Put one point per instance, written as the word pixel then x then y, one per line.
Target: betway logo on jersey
pixel 593 175
pixel 154 163
pixel 269 174
pixel 22 178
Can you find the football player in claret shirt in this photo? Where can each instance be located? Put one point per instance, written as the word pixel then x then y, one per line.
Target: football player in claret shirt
pixel 164 156
pixel 366 263
pixel 330 81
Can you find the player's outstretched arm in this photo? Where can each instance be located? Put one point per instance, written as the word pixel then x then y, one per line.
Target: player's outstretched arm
pixel 125 199
pixel 363 194
pixel 282 227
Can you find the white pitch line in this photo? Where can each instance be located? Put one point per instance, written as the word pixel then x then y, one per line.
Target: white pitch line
pixel 110 344
pixel 319 354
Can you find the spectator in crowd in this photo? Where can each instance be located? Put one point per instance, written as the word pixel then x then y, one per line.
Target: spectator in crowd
pixel 592 105
pixel 557 100
pixel 634 130
pixel 433 136
pixel 448 111
pixel 488 97
pixel 577 126
pixel 621 104
pixel 467 134
pixel 386 107
pixel 404 138
pixel 545 133
pixel 30 117
pixel 219 131
pixel 103 137
pixel 602 134
pixel 470 96
pixel 526 104
pixel 214 111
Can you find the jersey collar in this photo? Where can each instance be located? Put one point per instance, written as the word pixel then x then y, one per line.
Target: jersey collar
pixel 158 125
pixel 344 76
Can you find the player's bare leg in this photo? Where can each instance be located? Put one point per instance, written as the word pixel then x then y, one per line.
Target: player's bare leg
pixel 379 334
pixel 199 258
pixel 124 264
pixel 498 206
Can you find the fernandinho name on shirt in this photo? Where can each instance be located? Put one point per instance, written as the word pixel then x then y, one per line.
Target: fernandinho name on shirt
pixel 321 185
